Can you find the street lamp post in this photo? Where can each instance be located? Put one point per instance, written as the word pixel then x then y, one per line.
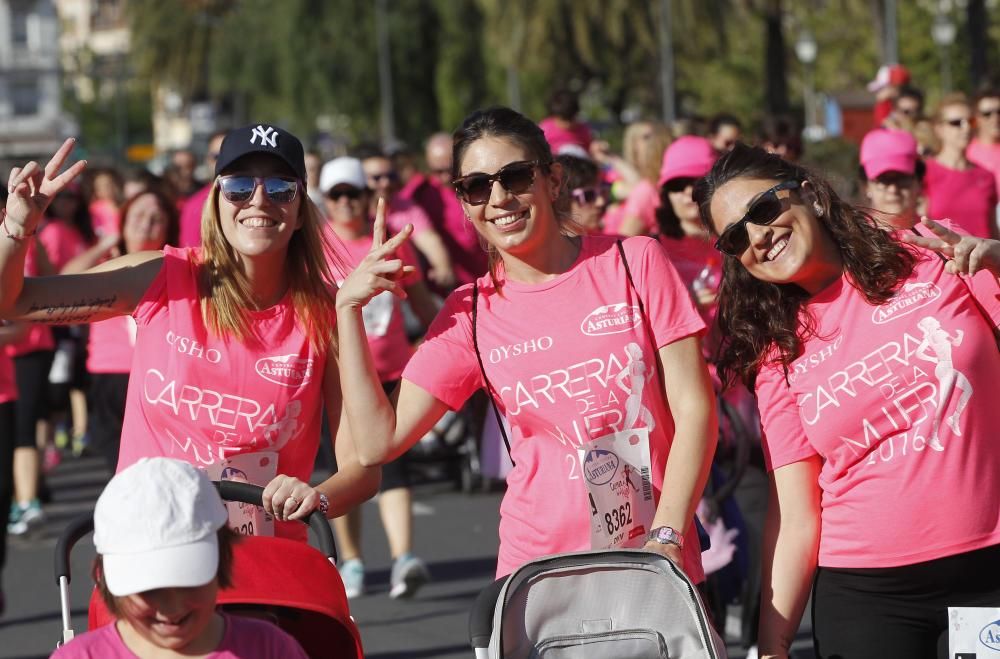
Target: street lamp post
pixel 806 50
pixel 943 32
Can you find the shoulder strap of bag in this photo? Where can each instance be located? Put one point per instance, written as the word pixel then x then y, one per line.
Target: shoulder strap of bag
pixel 486 382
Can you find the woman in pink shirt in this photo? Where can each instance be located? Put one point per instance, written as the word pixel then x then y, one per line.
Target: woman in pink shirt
pixel 956 188
pixel 573 337
pixel 149 222
pixel 234 351
pixel 873 366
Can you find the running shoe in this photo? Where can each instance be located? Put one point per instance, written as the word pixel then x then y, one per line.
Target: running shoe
pixel 23 517
pixel 51 458
pixel 352 572
pixel 409 573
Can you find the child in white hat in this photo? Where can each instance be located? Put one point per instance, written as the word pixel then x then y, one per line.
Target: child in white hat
pixel 164 550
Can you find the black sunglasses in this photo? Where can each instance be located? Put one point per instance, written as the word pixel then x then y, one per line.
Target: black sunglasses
pixel 762 211
pixel 679 184
pixel 989 113
pixel 239 188
pixel 351 193
pixel 958 123
pixel 516 177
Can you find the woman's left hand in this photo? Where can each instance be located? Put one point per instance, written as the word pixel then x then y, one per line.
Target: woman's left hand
pixel 289 499
pixel 671 551
pixel 967 254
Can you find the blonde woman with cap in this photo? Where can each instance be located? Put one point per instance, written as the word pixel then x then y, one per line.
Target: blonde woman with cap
pixel 234 349
pixel 163 552
pixel 892 173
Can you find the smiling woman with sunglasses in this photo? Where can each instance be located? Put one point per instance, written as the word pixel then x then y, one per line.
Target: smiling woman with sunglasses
pixel 234 346
pixel 873 367
pixel 570 341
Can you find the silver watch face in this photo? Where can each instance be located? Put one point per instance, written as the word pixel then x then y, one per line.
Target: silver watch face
pixel 666 535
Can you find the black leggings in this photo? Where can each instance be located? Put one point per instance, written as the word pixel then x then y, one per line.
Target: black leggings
pixel 884 613
pixel 106 414
pixel 31 371
pixel 7 425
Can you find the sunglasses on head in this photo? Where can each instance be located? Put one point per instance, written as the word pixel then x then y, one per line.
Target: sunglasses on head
pixel 679 184
pixel 239 188
pixel 516 177
pixel 351 193
pixel 589 196
pixel 762 211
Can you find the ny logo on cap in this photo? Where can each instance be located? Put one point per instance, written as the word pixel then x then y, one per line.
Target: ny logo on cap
pixel 268 136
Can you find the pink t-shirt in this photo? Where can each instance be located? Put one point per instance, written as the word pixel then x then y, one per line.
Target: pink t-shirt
pixel 62 242
pixel 553 352
pixel 104 216
pixel 244 638
pixel 39 337
pixel 110 345
pixel 190 234
pixel 201 398
pixel 966 197
pixel 899 402
pixel 402 212
pixel 578 133
pixel 8 384
pixel 383 315
pixel 986 156
pixel 641 202
pixel 446 215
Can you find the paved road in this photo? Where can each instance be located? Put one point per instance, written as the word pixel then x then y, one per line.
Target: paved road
pixel 461 529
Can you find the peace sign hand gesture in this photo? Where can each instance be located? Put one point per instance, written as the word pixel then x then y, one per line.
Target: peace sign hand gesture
pixel 30 189
pixel 379 271
pixel 967 254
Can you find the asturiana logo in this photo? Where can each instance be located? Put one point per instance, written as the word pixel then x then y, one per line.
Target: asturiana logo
pixel 611 319
pixel 286 370
pixel 911 298
pixel 600 466
pixel 990 635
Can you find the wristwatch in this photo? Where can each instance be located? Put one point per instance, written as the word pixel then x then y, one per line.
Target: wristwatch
pixel 666 535
pixel 324 504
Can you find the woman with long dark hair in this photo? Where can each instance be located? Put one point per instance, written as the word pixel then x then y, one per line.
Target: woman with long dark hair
pixel 884 487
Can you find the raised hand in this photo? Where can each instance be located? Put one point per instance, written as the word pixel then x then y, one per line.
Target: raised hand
pixel 966 255
pixel 380 270
pixel 30 189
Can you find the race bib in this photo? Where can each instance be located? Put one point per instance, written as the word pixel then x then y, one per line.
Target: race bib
pixel 257 468
pixel 377 313
pixel 616 470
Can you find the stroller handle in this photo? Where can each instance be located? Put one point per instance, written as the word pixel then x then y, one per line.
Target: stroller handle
pixel 228 490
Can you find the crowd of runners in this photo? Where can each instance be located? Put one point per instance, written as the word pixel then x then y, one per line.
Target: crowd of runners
pixel 749 325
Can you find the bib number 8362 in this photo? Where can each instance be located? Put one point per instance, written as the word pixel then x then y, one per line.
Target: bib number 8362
pixel 618 517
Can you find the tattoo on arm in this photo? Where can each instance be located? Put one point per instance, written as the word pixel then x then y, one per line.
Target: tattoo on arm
pixel 71 312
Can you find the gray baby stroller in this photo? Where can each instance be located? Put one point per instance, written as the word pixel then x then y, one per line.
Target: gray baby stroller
pixel 613 604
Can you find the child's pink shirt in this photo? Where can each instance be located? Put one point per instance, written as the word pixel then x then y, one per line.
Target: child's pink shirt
pixel 39 336
pixel 383 315
pixel 243 638
pixel 555 354
pixel 866 395
pixel 200 398
pixel 110 345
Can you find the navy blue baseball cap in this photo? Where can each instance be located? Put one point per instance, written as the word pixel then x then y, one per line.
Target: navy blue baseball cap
pixel 262 138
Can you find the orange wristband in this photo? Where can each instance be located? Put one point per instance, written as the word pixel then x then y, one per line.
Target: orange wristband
pixel 6 231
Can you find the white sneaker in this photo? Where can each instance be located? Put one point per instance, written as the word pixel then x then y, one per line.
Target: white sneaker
pixel 352 573
pixel 409 573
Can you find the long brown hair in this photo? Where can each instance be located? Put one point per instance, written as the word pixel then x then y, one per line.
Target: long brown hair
pixel 226 294
pixel 758 318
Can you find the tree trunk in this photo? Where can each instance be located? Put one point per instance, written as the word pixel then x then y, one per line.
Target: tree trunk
pixel 775 73
pixel 978 42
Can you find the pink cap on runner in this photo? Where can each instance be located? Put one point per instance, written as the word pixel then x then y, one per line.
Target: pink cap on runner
pixel 885 150
pixel 688 156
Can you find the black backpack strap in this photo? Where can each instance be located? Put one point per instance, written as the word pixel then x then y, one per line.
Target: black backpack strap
pixel 486 382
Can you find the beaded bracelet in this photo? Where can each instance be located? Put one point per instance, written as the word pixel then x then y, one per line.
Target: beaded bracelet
pixel 3 224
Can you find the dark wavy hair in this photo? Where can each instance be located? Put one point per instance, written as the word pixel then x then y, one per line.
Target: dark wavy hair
pixel 763 321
